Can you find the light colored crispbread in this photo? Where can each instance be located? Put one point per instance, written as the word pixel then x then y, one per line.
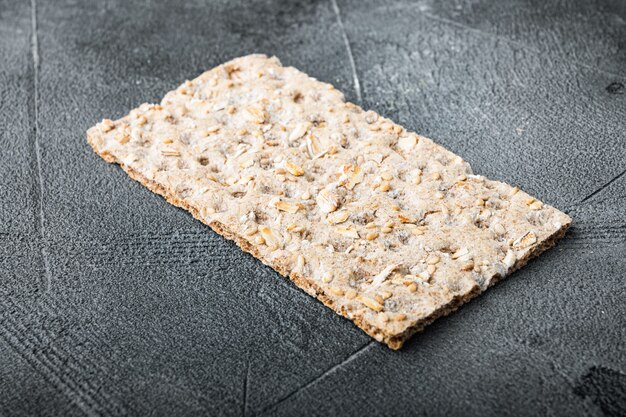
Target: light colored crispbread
pixel 382 225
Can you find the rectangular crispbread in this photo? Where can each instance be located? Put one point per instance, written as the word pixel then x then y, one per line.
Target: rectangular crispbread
pixel 382 225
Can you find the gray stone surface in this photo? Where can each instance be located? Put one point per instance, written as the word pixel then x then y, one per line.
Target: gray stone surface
pixel 113 302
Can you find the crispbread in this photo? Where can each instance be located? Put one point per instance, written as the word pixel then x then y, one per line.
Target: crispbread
pixel 382 225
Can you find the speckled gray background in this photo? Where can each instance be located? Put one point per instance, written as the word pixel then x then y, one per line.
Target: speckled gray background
pixel 113 302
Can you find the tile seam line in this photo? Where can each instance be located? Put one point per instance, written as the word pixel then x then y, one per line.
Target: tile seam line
pixel 42 225
pixel 346 41
pixel 602 188
pixel 43 246
pixel 354 355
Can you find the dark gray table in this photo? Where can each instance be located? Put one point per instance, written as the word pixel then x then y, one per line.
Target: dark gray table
pixel 113 302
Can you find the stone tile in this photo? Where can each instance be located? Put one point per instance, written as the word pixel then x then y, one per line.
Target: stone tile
pixel 139 309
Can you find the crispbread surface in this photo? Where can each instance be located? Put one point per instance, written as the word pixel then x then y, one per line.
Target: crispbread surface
pixel 384 226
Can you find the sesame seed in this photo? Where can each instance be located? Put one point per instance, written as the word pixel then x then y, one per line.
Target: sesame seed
pixel 509 259
pixel 467 266
pixel 399 317
pixel 405 143
pixel 424 275
pixel 213 129
pixel 250 231
pixel 122 137
pixel 368 302
pixel 371 117
pixel 294 169
pixel 432 260
pixel 271 240
pixel 107 125
pixel 338 217
pixel 406 219
pixel 287 207
pixel 348 231
pixel 337 291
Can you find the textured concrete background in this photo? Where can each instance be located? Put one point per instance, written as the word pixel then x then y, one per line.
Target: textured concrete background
pixel 113 302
